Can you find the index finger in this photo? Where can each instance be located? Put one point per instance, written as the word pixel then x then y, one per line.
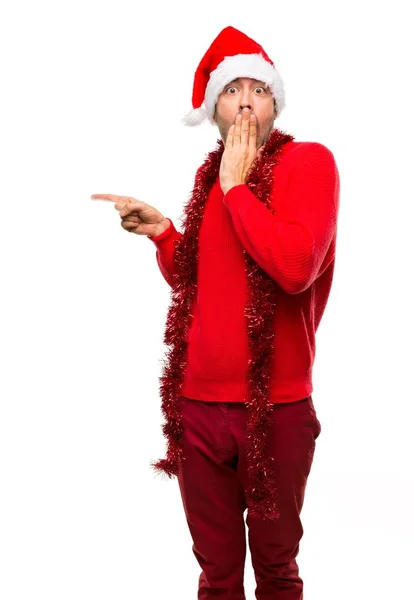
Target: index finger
pixel 111 198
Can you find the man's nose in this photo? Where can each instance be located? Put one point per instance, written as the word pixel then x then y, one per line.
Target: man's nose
pixel 245 99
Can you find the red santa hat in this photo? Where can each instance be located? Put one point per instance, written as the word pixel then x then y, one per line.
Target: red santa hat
pixel 231 55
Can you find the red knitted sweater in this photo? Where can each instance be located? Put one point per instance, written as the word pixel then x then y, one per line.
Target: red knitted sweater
pixel 295 246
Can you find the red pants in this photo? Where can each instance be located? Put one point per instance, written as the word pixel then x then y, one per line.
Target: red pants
pixel 212 480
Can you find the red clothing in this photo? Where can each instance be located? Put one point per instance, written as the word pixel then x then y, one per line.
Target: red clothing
pixel 296 247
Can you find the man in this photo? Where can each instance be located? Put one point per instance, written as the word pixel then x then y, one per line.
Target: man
pixel 250 277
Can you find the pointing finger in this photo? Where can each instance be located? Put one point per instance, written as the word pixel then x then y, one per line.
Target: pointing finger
pixel 107 197
pixel 112 198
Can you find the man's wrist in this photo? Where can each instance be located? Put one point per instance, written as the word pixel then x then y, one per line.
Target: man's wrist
pixel 229 187
pixel 165 223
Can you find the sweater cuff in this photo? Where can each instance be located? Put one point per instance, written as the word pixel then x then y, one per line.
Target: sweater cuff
pixel 234 193
pixel 165 234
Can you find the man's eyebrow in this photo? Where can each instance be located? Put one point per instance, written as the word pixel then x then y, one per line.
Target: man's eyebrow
pixel 239 79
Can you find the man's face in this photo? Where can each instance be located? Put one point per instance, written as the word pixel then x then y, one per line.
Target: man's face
pixel 252 93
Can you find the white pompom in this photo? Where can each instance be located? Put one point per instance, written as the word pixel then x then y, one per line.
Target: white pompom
pixel 194 117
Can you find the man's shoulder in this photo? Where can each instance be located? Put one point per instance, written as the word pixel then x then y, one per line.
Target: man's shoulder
pixel 295 150
pixel 305 154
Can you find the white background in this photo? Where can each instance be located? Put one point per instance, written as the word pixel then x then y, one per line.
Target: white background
pixel 92 96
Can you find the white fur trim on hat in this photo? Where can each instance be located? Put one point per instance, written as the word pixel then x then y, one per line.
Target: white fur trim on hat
pixel 232 67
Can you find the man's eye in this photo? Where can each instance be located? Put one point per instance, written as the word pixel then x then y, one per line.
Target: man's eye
pixel 259 87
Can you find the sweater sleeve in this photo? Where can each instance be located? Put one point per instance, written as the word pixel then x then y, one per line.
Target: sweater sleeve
pixel 164 243
pixel 292 244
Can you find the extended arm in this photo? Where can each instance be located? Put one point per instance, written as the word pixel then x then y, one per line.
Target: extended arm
pixel 165 251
